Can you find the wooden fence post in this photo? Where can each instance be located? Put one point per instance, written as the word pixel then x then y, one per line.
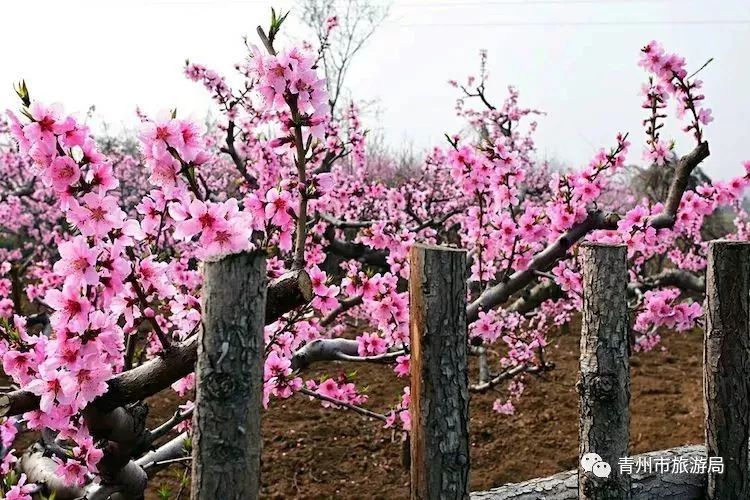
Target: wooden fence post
pixel 604 378
pixel 726 368
pixel 229 379
pixel 439 374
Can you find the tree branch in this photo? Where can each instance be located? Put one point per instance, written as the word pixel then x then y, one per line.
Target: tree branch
pixel 682 172
pixel 500 293
pixel 336 350
pixel 344 305
pixel 343 404
pixel 678 278
pixel 506 375
pixel 240 163
pixel 284 294
pixel 343 224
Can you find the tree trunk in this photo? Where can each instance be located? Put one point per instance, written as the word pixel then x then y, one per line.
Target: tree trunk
pixel 229 380
pixel 726 368
pixel 439 375
pixel 644 486
pixel 604 378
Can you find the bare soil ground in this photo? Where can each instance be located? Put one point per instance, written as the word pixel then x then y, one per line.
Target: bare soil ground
pixel 312 452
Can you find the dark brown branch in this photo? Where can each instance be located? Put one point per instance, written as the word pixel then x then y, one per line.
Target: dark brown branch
pixel 682 172
pixel 358 251
pixel 343 306
pixel 532 297
pixel 435 223
pixel 545 259
pixel 239 162
pixel 163 339
pixel 288 291
pixel 357 409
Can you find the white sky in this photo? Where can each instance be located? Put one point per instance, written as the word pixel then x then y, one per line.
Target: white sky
pixel 574 59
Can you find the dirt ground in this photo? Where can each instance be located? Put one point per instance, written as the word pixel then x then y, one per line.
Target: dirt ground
pixel 313 453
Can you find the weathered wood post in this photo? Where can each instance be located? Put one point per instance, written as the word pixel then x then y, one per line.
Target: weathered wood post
pixel 604 378
pixel 229 380
pixel 439 374
pixel 726 369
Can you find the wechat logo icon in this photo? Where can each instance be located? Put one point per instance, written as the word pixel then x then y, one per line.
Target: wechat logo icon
pixel 591 462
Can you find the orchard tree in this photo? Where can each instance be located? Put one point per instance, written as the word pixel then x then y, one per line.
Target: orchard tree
pixel 101 253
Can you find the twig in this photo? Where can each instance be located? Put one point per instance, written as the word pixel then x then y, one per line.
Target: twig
pixel 343 224
pixel 343 306
pixel 170 424
pixel 357 409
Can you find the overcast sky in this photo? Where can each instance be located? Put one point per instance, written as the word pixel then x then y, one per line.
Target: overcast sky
pixel 574 59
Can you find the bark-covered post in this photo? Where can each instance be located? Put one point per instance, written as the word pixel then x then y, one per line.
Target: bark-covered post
pixel 439 374
pixel 229 379
pixel 604 378
pixel 726 368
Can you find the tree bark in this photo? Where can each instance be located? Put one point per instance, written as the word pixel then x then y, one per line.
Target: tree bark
pixel 644 486
pixel 287 292
pixel 121 433
pixel 229 380
pixel 726 367
pixel 439 375
pixel 604 378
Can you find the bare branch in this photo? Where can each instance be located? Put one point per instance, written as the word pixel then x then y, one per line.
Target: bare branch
pixel 238 161
pixel 357 409
pixel 170 424
pixel 507 375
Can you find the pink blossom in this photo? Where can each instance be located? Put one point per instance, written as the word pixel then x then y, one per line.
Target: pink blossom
pixel 72 471
pixel 371 345
pixel 98 215
pixel 53 387
pixel 402 366
pixel 71 310
pixel 63 172
pixel 503 408
pixel 278 207
pixel 77 262
pixel 21 490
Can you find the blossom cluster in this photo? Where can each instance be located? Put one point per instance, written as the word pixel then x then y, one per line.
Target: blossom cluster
pixel 672 79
